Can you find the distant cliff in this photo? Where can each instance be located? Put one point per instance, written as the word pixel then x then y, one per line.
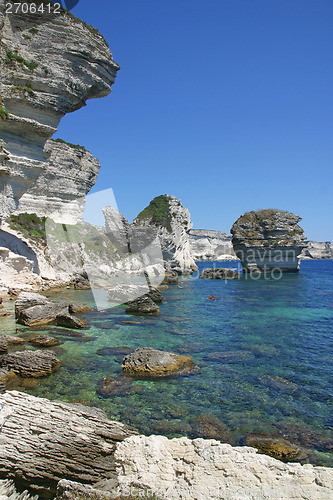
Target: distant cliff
pixel 318 250
pixel 50 65
pixel 268 240
pixel 211 245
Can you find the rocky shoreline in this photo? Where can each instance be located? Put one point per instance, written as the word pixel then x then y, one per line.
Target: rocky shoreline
pixel 45 442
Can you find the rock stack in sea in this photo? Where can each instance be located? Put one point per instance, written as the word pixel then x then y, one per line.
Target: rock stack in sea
pixel 171 222
pixel 268 240
pixel 211 245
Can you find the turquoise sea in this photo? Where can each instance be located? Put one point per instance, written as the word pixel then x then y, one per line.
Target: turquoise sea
pixel 264 349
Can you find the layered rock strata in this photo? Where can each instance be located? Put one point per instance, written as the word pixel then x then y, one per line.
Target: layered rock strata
pixel 50 65
pixel 268 240
pixel 318 250
pixel 60 190
pixel 171 222
pixel 43 442
pixel 211 245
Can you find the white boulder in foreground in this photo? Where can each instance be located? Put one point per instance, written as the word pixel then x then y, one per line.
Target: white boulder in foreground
pixel 204 469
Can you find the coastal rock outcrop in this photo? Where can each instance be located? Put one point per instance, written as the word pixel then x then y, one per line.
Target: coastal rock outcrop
pixel 211 245
pixel 146 361
pixel 43 442
pixel 34 309
pixel 142 305
pixel 171 222
pixel 268 240
pixel 219 273
pixel 202 469
pixel 50 65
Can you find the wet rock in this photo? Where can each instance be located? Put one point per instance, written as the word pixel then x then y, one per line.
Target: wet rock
pixel 155 295
pixel 307 438
pixel 63 332
pixel 220 273
pixel 208 426
pixel 113 386
pixel 44 341
pixel 69 321
pixel 78 308
pixel 81 281
pixel 146 361
pixel 30 363
pixel 35 309
pixel 278 383
pixel 170 279
pixel 162 287
pixel 12 339
pixel 142 305
pixel 273 446
pixel 229 356
pixel 3 346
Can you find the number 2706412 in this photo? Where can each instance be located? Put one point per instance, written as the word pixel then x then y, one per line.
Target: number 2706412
pixel 32 8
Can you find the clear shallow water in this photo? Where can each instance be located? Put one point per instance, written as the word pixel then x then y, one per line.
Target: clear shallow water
pixel 255 330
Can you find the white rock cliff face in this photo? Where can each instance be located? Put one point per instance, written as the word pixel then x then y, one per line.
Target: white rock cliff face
pixel 60 190
pixel 211 245
pixel 172 222
pixel 50 65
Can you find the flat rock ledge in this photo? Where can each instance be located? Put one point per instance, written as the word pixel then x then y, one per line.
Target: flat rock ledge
pixel 201 469
pixel 220 273
pixel 44 441
pixel 149 362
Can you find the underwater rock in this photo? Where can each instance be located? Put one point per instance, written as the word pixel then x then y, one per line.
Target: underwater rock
pixel 278 383
pixel 219 273
pixel 113 386
pixel 276 447
pixel 109 351
pixel 146 361
pixel 208 426
pixel 43 341
pixel 229 356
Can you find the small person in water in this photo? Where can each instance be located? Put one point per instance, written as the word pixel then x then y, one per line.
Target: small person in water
pixel 16 331
pixel 212 297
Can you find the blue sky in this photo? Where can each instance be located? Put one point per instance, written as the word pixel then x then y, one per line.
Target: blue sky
pixel 226 104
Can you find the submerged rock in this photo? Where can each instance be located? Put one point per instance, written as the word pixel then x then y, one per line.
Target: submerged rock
pixel 278 383
pixel 12 339
pixel 113 386
pixel 273 446
pixel 146 361
pixel 30 363
pixel 268 240
pixel 220 273
pixel 208 426
pixel 44 341
pixel 142 305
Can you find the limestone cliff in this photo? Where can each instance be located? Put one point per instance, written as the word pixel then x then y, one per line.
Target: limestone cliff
pixel 268 240
pixel 211 245
pixel 172 222
pixel 318 250
pixel 60 190
pixel 50 65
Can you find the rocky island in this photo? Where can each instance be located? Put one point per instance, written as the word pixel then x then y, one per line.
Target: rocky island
pixel 268 240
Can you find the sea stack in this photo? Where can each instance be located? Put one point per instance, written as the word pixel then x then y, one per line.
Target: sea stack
pixel 171 222
pixel 268 240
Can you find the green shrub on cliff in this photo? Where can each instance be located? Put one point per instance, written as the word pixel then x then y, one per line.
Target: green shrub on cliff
pixel 158 212
pixel 73 146
pixel 12 57
pixel 3 112
pixel 30 225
